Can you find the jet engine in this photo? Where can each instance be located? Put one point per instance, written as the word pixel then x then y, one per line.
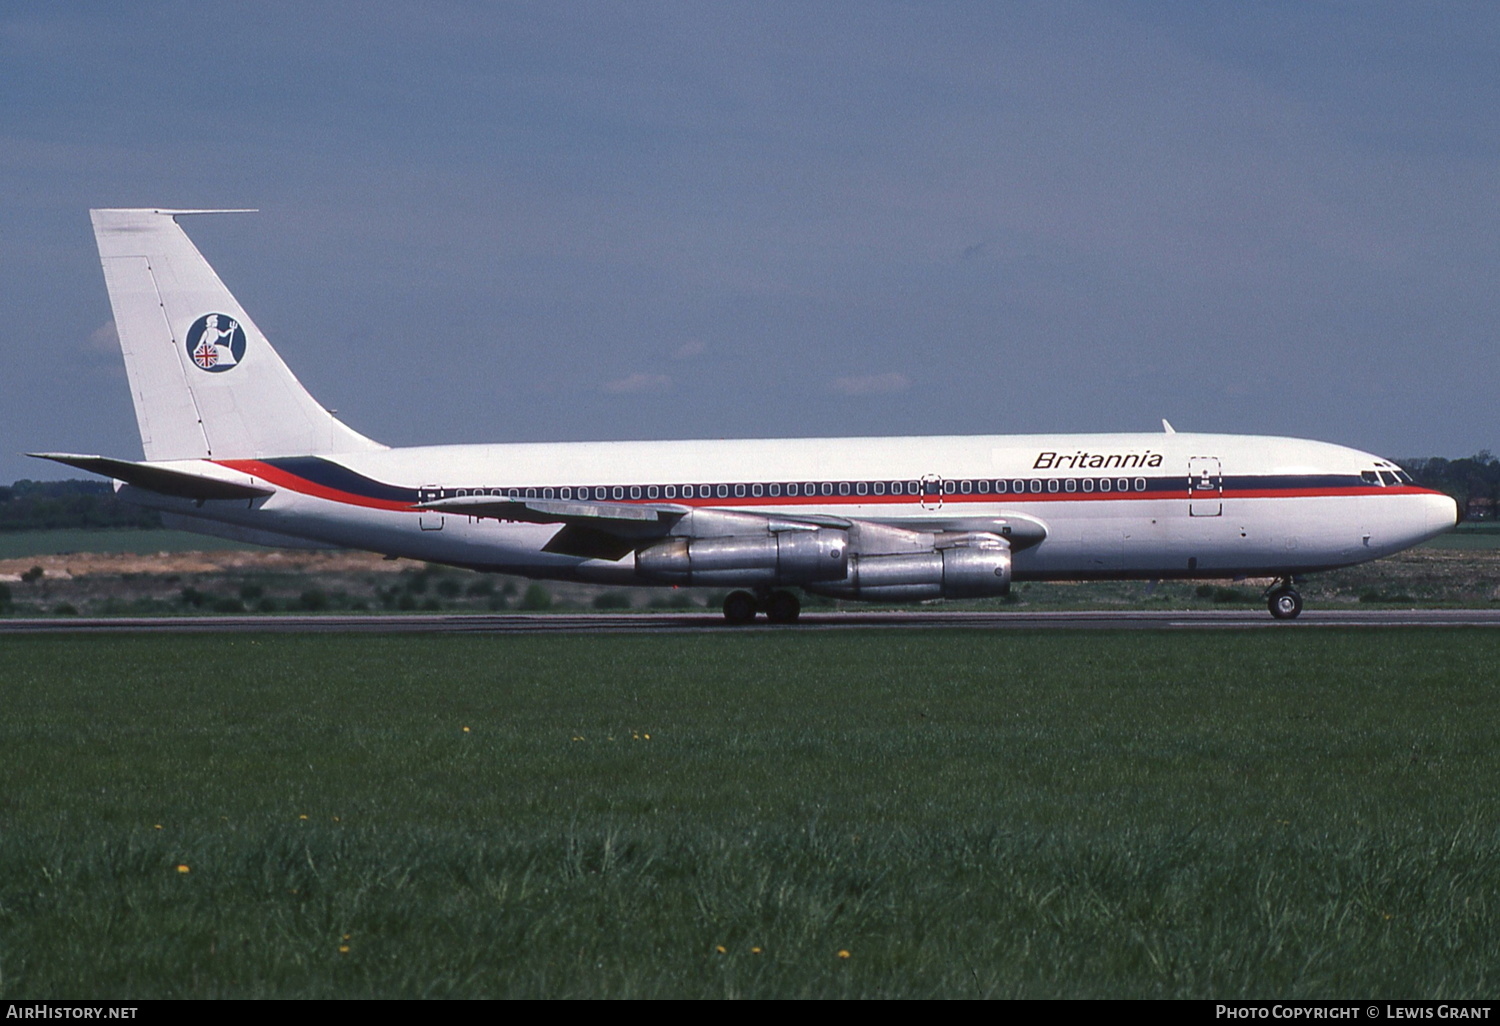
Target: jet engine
pixel 782 557
pixel 971 566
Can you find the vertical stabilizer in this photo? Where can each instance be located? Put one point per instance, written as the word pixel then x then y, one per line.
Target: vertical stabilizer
pixel 204 380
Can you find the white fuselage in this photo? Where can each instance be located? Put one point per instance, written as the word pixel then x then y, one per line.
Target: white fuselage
pixel 1115 505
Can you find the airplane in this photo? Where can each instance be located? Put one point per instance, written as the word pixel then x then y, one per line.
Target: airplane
pixel 235 446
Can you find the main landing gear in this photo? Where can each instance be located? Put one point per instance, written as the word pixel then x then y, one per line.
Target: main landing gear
pixel 779 606
pixel 1283 600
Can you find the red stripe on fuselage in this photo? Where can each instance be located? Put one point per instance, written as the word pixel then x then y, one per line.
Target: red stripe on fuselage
pixel 282 479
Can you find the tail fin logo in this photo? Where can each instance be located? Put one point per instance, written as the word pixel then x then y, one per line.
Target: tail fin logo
pixel 216 342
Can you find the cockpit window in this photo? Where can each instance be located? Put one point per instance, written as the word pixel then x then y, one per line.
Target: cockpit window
pixel 1404 476
pixel 1386 477
pixel 1369 477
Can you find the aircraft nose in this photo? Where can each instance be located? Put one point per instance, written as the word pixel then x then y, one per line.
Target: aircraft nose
pixel 1442 513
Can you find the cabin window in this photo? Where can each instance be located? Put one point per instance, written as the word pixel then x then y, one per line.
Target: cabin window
pixel 756 490
pixel 1088 484
pixel 566 493
pixel 791 488
pixel 739 491
pixel 547 493
pixel 984 487
pixel 1053 484
pixel 1122 485
pixel 1036 485
pixel 861 488
pixel 1104 484
pixel 1000 487
pixel 774 490
pixel 635 491
pixel 1140 484
pixel 619 491
pixel 1070 485
pixel 950 487
pixel 652 491
pixel 879 487
pixel 723 491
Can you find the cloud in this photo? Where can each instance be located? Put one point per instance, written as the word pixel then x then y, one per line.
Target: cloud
pixel 638 382
pixel 872 384
pixel 689 349
pixel 104 339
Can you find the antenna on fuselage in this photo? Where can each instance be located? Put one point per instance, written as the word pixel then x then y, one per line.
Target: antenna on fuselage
pixel 1166 425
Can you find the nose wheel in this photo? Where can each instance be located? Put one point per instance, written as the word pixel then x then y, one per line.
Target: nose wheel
pixel 1284 601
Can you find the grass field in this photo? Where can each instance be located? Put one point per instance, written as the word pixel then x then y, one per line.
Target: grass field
pixel 1288 813
pixel 1469 536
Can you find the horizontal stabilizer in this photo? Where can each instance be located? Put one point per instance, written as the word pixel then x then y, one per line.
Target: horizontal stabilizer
pixel 182 484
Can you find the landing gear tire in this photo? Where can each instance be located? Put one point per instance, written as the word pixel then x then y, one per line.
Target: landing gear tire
pixel 783 607
pixel 1284 603
pixel 740 608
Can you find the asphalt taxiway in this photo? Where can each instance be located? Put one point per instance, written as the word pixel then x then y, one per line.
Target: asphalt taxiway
pixel 665 623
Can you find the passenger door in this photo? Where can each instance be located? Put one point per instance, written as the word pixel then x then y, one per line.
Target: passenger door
pixel 1205 487
pixel 429 520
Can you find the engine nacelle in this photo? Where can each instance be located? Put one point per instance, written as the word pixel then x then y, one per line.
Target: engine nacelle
pixel 784 557
pixel 959 572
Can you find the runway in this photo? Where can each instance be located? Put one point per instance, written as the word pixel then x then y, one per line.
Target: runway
pixel 668 623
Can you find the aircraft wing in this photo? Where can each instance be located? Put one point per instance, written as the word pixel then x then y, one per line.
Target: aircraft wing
pixel 175 481
pixel 556 511
pixel 611 530
pixel 592 530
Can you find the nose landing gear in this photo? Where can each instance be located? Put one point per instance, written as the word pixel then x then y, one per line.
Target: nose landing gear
pixel 1283 600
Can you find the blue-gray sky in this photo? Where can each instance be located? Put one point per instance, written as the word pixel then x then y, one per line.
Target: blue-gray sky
pixel 494 222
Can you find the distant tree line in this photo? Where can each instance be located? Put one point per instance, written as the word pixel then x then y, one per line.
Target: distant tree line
pixel 1473 481
pixel 38 505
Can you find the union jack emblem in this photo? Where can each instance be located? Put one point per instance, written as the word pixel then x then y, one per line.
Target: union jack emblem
pixel 206 355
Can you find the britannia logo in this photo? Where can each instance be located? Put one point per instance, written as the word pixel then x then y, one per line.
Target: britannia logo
pixel 216 342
